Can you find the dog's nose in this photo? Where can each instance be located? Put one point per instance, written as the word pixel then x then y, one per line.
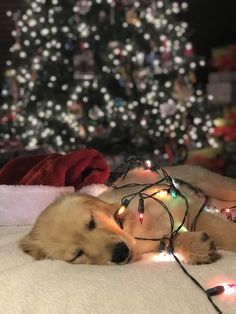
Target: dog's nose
pixel 120 253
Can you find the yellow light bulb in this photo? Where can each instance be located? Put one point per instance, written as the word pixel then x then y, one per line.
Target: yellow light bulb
pixel 121 210
pixel 162 194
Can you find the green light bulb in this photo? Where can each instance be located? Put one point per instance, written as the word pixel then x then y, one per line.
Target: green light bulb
pixel 173 193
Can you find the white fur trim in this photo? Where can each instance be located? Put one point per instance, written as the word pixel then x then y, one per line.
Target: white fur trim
pixel 94 189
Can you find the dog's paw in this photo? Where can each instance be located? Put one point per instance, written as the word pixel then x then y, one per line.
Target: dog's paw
pixel 197 248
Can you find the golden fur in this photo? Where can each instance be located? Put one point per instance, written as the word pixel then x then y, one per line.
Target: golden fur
pixel 81 229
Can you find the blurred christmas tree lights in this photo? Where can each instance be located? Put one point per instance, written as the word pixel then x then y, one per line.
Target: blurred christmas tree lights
pixel 84 71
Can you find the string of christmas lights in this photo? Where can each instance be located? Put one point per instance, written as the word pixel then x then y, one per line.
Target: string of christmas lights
pixel 172 185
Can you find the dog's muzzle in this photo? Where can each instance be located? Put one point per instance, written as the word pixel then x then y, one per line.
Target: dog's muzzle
pixel 121 253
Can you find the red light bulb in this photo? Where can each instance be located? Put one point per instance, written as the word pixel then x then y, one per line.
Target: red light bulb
pixel 148 164
pixel 224 288
pixel 141 216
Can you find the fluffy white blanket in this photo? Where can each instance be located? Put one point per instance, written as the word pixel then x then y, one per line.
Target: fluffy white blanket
pixel 148 286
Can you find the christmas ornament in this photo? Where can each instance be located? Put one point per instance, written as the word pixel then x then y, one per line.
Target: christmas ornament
pixel 76 109
pixel 168 109
pixel 84 65
pixel 182 90
pixel 95 113
pixel 83 6
pixel 132 17
pixel 119 102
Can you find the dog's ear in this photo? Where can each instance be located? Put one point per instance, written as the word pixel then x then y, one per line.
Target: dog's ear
pixel 32 247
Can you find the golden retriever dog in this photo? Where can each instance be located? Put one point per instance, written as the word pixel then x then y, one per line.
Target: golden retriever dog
pixel 83 229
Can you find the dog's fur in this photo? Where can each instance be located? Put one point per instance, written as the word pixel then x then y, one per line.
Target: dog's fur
pixel 81 229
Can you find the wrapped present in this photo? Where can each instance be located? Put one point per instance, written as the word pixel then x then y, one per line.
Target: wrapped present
pixel 227 133
pixel 224 58
pixel 229 147
pixel 216 77
pixel 222 93
pixel 208 157
pixel 226 129
pixel 207 152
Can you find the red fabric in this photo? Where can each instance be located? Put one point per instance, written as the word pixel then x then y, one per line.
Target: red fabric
pixel 77 169
pixel 214 164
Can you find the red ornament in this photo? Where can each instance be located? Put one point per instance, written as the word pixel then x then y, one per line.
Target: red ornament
pixel 188 52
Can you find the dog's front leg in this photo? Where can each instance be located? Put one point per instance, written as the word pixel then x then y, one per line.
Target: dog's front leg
pixel 195 247
pixel 142 246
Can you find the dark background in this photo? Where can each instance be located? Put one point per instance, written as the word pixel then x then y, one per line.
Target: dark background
pixel 212 24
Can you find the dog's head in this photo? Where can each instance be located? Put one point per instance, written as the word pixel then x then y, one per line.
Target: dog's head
pixel 79 229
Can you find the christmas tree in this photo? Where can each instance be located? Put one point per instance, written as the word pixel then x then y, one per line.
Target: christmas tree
pixel 118 75
pixel 39 74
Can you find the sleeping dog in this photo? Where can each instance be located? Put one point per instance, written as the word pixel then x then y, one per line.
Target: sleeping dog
pixel 82 229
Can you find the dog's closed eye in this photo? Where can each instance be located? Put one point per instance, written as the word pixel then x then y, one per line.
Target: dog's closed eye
pixel 92 223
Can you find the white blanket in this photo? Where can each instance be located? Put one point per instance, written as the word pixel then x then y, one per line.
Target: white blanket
pixel 149 286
